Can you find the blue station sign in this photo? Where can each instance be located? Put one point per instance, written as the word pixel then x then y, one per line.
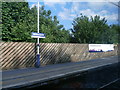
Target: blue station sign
pixel 37 35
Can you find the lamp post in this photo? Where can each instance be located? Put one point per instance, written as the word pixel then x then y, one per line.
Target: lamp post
pixel 38 36
pixel 37 63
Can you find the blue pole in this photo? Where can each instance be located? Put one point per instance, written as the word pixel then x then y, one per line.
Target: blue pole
pixel 37 63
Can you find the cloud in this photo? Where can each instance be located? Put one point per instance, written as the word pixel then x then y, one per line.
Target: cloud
pixel 72 0
pixel 70 13
pixel 75 7
pixel 87 12
pixel 103 14
pixel 103 9
pixel 52 4
pixel 66 14
pixel 33 5
pixel 96 5
pixel 53 0
pixel 112 17
pixel 101 5
pixel 90 12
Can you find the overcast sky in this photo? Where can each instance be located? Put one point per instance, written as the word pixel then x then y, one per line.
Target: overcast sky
pixel 67 11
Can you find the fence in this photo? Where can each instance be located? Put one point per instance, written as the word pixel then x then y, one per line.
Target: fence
pixel 21 54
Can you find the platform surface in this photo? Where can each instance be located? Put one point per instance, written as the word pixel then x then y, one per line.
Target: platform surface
pixel 29 76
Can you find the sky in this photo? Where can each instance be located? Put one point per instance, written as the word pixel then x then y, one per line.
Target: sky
pixel 67 11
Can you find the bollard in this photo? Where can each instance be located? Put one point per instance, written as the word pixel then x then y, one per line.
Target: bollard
pixel 37 63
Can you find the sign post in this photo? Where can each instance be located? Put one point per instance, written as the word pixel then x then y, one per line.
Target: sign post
pixel 37 63
pixel 38 36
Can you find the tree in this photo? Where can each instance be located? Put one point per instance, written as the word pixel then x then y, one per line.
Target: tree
pixel 114 33
pixel 14 15
pixel 100 30
pixel 49 25
pixel 19 21
pixel 91 30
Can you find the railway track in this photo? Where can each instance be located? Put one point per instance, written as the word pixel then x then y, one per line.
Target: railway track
pixel 112 85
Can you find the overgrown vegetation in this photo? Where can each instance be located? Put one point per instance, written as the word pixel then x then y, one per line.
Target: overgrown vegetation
pixel 18 21
pixel 94 30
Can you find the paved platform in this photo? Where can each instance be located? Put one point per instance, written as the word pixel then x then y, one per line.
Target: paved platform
pixel 25 77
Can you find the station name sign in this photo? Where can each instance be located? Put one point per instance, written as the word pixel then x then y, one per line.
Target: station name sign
pixel 37 35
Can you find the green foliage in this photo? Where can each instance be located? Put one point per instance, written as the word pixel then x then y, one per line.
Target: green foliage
pixel 49 25
pixel 19 21
pixel 114 33
pixel 92 30
pixel 14 16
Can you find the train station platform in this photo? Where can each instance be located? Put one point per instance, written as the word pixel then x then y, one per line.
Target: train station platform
pixel 25 77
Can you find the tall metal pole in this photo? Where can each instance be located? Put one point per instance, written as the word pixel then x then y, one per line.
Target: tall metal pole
pixel 37 64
